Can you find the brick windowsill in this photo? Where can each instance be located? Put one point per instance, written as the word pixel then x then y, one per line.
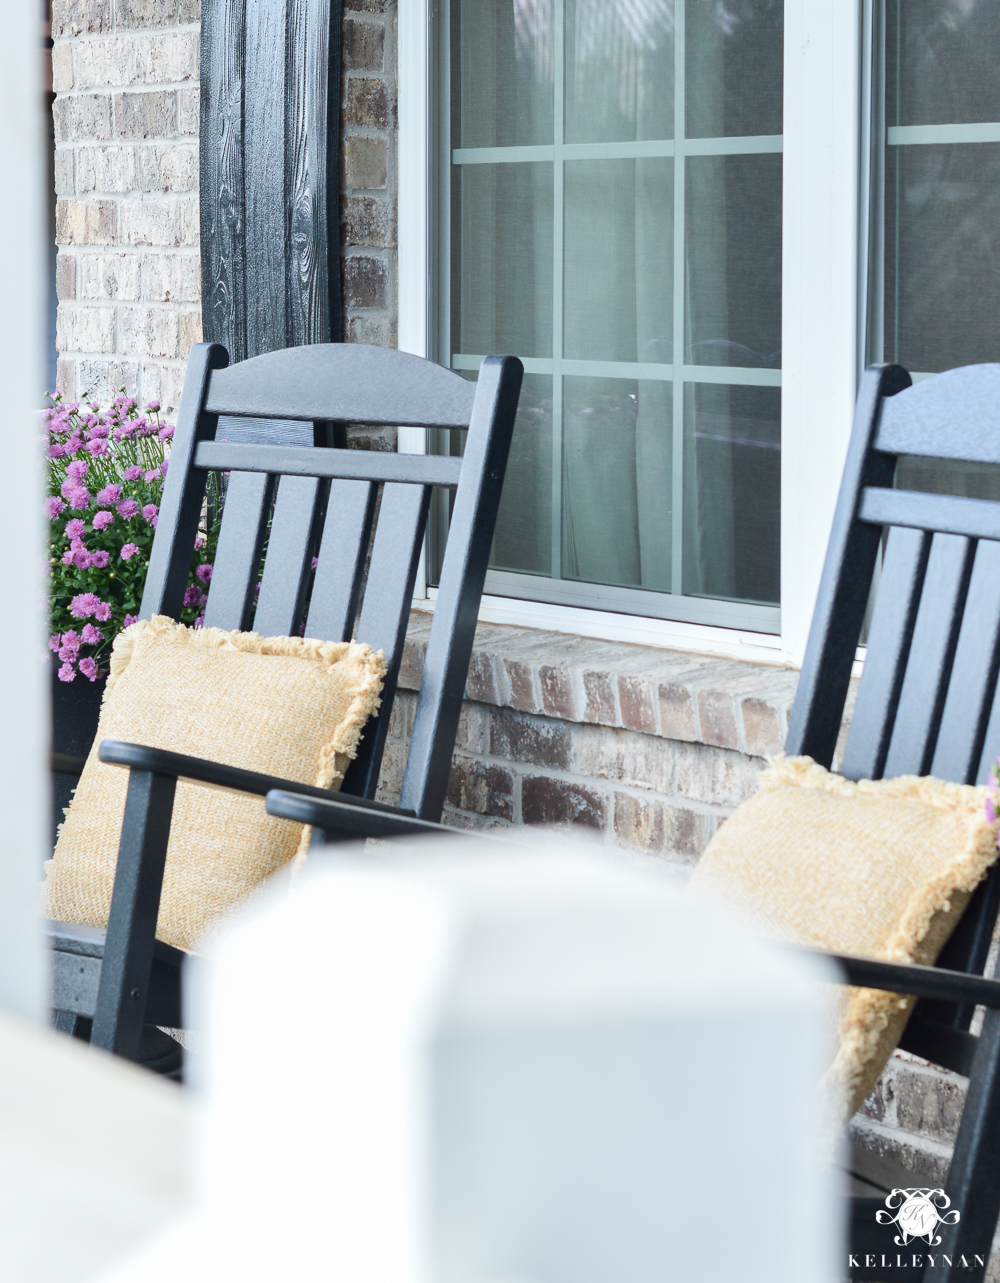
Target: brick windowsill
pixel 676 695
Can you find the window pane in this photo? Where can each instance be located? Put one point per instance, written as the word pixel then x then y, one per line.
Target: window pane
pixel 942 255
pixel 616 486
pixel 523 538
pixel 619 260
pixel 733 226
pixel 503 259
pixel 732 499
pixel 934 291
pixel 733 67
pixel 505 62
pixel 941 62
pixel 619 70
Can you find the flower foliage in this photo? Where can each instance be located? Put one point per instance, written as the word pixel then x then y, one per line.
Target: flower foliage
pixel 106 474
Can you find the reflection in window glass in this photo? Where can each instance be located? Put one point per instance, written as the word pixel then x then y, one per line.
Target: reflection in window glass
pixel 734 260
pixel 733 491
pixel 619 71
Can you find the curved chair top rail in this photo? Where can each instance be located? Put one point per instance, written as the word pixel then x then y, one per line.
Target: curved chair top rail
pixel 954 415
pixel 343 382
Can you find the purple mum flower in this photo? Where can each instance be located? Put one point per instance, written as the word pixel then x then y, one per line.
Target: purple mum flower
pixel 153 474
pixel 53 507
pixel 128 551
pixel 55 641
pixel 56 451
pixel 102 520
pixel 91 635
pixel 75 528
pixel 102 612
pixel 193 596
pixel 152 405
pixel 84 605
pixel 132 474
pixel 98 430
pixel 89 669
pixel 97 447
pixel 81 557
pixel 204 573
pixel 66 673
pixel 73 444
pixel 167 432
pixel 149 512
pixel 99 559
pixel 77 470
pixel 199 543
pixel 109 495
pixel 127 509
pixel 78 497
pixel 130 620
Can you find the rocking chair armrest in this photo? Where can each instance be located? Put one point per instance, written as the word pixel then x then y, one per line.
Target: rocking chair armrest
pixel 66 764
pixel 216 775
pixel 913 978
pixel 342 817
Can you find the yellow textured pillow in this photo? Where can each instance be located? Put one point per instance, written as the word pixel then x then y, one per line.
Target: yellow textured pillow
pixel 284 706
pixel 880 868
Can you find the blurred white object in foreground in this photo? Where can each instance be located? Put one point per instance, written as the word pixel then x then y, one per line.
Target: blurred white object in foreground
pixel 513 1068
pixel 93 1156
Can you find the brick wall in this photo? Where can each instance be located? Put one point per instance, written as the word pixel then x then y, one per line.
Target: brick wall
pixel 125 73
pixel 640 748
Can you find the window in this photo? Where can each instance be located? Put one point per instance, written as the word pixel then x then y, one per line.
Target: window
pixel 609 208
pixel 662 168
pixel 934 292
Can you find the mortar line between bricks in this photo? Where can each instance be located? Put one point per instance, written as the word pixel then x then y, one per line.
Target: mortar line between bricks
pixel 136 87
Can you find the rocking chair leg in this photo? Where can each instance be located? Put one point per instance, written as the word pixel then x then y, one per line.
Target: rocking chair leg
pixel 974 1181
pixel 135 904
pixel 76 1026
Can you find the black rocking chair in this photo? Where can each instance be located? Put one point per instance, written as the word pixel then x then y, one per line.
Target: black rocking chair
pixel 363 516
pixel 927 703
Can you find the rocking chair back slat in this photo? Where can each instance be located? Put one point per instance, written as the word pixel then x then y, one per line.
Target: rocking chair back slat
pixel 935 636
pixel 289 556
pixel 241 542
pixel 385 610
pixel 977 657
pixel 888 648
pixel 340 564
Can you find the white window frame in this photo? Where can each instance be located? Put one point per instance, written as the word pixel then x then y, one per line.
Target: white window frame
pixel 822 283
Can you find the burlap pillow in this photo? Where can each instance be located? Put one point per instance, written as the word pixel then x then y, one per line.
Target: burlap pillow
pixel 281 705
pixel 881 868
